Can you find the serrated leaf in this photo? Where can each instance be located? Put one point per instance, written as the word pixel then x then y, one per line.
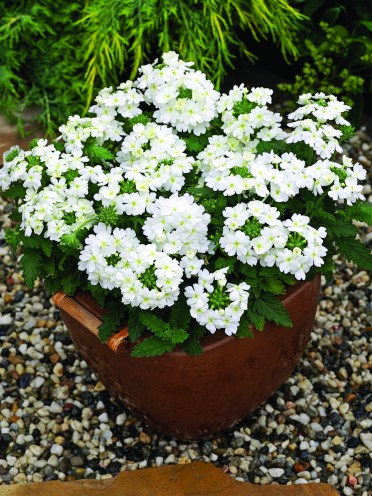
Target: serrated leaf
pixel 222 262
pixel 202 191
pixel 361 212
pixel 111 320
pixel 355 251
pixel 13 238
pixel 35 241
pixel 192 347
pixel 96 151
pixel 98 293
pixel 31 265
pixel 273 285
pixel 49 266
pixel 151 347
pixel 244 330
pixel 71 282
pixel 17 190
pixel 153 323
pixel 258 321
pixel 180 314
pixel 270 307
pixel 342 228
pixel 135 326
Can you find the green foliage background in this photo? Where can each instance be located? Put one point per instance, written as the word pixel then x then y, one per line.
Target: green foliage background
pixel 56 54
pixel 336 49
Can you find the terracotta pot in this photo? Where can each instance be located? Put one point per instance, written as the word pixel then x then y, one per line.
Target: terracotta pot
pixel 195 397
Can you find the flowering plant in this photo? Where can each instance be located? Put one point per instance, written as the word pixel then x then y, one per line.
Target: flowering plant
pixel 186 211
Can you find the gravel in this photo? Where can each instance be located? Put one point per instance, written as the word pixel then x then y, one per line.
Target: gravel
pixel 57 421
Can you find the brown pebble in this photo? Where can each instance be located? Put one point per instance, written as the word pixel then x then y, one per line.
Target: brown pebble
pixel 338 340
pixel 41 323
pixel 14 418
pixel 8 298
pixel 144 438
pixel 350 397
pixel 54 358
pixel 301 466
pixel 51 323
pixel 14 359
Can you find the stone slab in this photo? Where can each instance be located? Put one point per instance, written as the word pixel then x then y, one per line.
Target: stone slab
pixel 195 479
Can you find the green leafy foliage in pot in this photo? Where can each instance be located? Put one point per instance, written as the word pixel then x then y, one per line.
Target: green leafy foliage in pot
pixel 337 48
pixel 186 211
pixel 56 54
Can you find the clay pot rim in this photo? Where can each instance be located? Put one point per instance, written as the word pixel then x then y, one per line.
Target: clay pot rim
pixel 209 341
pixel 219 338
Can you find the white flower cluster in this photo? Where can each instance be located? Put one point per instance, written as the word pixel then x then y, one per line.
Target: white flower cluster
pixel 178 225
pixel 254 233
pixel 246 117
pixel 310 123
pixel 154 158
pixel 146 277
pixel 129 191
pixel 184 98
pixel 216 304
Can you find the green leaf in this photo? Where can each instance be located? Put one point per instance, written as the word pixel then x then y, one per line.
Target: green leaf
pixel 342 228
pixel 222 262
pixel 367 24
pixel 355 251
pixel 180 314
pixel 17 190
pixel 13 238
pixel 270 307
pixel 192 345
pixel 151 347
pixel 15 216
pixel 31 265
pixel 71 282
pixel 111 320
pixel 96 151
pixel 135 326
pixel 268 146
pixel 361 212
pixel 273 286
pixel 98 293
pixel 35 241
pixel 49 266
pixel 244 330
pixel 258 321
pixel 163 330
pixel 202 191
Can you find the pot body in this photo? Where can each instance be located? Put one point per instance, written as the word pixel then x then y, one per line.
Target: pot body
pixel 196 397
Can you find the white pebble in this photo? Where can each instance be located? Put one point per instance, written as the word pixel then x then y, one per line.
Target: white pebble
pixel 348 491
pixel 276 472
pixel 159 460
pixel 120 419
pixel 315 427
pixel 37 382
pixel 36 450
pixel 103 418
pixel 53 461
pixel 170 459
pixel 366 438
pixel 55 407
pixel 6 319
pixel 304 418
pixel 56 449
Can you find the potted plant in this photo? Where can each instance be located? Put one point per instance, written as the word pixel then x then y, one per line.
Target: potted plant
pixel 176 220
